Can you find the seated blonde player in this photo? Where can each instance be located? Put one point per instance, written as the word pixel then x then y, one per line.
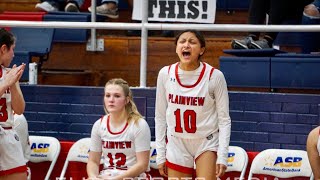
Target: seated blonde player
pixel 21 127
pixel 313 149
pixel 121 136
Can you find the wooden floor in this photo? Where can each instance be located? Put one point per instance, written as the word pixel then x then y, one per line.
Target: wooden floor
pixel 18 5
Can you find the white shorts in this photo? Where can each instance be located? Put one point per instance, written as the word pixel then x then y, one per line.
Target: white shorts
pixel 11 154
pixel 182 153
pixel 116 172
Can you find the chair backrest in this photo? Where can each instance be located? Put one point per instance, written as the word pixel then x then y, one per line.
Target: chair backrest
pixel 44 148
pixel 77 153
pixel 281 163
pixel 312 177
pixel 237 160
pixel 153 155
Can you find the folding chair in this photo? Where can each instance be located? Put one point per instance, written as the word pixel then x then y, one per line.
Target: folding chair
pixel 44 148
pixel 237 160
pixel 153 155
pixel 78 153
pixel 281 163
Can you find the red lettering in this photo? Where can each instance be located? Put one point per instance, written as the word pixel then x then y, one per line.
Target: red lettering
pixel 116 144
pixel 201 101
pixel 128 144
pixel 170 97
pixel 186 100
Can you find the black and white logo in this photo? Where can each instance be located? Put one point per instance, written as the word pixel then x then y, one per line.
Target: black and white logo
pixel 16 137
pixel 210 137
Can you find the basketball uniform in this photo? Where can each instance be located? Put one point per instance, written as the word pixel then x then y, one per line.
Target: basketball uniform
pixel 21 127
pixel 190 106
pixel 119 147
pixel 191 116
pixel 11 154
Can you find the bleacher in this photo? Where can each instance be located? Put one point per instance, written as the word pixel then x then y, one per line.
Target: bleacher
pixel 86 68
pixel 272 69
pixel 27 50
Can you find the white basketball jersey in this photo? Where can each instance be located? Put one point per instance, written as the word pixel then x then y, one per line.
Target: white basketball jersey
pixel 119 148
pixel 6 114
pixel 318 144
pixel 190 108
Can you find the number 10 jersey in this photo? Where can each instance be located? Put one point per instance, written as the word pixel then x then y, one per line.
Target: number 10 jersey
pixel 191 111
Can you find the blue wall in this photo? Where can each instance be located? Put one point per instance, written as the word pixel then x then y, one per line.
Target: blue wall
pixel 259 120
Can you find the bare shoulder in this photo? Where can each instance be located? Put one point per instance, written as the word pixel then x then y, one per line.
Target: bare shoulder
pixel 314 135
pixel 315 131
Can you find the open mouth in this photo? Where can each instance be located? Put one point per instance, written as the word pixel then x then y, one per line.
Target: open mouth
pixel 186 54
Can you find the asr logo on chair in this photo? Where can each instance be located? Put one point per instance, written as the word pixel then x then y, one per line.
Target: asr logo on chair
pixel 231 156
pixel 40 147
pixel 83 151
pixel 283 164
pixel 293 162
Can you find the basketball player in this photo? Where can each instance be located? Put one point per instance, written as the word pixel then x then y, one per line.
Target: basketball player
pixel 192 113
pixel 12 164
pixel 21 127
pixel 121 136
pixel 313 149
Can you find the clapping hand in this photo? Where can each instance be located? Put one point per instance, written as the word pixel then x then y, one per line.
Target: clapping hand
pixel 14 74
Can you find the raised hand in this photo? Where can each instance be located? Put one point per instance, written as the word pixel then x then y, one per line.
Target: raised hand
pixel 14 74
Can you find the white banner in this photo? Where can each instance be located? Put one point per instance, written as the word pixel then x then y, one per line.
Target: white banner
pixel 195 11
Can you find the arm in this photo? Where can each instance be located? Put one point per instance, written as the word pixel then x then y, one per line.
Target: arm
pixel 17 100
pixel 93 164
pixel 12 77
pixel 160 120
pixel 4 85
pixel 313 153
pixel 220 91
pixel 95 152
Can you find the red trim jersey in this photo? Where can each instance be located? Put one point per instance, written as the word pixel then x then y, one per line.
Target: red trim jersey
pixel 189 109
pixel 191 105
pixel 119 147
pixel 6 114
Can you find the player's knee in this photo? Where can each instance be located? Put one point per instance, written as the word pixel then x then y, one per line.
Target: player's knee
pixel 311 10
